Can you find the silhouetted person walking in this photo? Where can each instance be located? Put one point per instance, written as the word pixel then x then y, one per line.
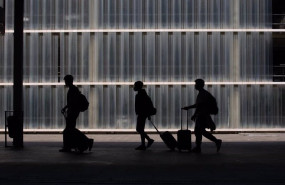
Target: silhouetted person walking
pixel 202 117
pixel 142 111
pixel 71 135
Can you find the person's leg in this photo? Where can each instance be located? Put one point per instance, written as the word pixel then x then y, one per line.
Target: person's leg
pixel 140 130
pixel 198 135
pixel 66 141
pixel 208 135
pixel 144 134
pixel 71 117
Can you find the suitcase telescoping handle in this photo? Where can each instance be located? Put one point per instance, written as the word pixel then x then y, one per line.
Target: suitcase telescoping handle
pixel 154 126
pixel 186 118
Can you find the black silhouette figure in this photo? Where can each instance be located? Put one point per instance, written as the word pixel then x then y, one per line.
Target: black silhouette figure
pixel 143 110
pixel 72 137
pixel 204 107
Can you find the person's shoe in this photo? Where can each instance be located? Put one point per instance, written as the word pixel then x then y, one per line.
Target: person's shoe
pixel 149 143
pixel 65 150
pixel 219 144
pixel 141 147
pixel 196 150
pixel 90 144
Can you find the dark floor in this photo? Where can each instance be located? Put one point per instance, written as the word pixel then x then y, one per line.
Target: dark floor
pixel 244 159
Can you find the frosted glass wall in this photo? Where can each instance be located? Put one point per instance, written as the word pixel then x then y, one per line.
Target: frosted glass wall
pixel 148 55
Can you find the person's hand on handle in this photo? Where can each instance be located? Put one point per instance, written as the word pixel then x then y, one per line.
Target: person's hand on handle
pixel 193 118
pixel 185 108
pixel 63 110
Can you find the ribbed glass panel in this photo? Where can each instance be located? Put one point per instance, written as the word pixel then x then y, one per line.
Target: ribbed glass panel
pixel 113 106
pixel 148 56
pixel 128 14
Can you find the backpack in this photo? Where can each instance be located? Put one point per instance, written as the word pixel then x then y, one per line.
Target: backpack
pixel 151 108
pixel 83 103
pixel 213 107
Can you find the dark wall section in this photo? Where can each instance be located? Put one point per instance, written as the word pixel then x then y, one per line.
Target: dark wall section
pixel 278 20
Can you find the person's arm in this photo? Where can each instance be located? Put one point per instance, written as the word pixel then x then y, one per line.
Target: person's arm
pixel 190 107
pixel 63 109
pixel 136 105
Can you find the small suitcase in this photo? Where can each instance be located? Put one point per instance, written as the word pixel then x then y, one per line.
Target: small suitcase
pixel 167 138
pixel 78 140
pixel 75 139
pixel 184 137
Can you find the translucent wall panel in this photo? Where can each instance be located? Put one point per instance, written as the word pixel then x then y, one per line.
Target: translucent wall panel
pixel 112 107
pixel 6 102
pixel 138 14
pixel 148 56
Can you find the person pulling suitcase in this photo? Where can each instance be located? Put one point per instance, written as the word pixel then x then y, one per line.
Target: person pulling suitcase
pixel 205 106
pixel 144 109
pixel 76 102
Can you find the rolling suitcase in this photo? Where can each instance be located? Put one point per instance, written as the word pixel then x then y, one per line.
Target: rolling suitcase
pixel 184 137
pixel 167 138
pixel 77 140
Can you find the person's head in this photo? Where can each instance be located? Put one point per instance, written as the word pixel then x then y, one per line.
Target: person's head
pixel 199 84
pixel 138 85
pixel 68 79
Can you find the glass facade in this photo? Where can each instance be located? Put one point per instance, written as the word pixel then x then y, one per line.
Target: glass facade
pixel 107 45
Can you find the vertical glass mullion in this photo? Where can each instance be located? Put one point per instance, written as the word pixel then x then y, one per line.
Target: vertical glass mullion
pixel 242 49
pixel 227 14
pixel 249 12
pixel 189 14
pixel 171 109
pixel 190 56
pixel 111 14
pixel 202 14
pixel 137 45
pixel 46 58
pixel 111 57
pixel 150 57
pixel 34 73
pixel 164 59
pixel 123 14
pixel 176 14
pixel 209 62
pixel 170 57
pixel 138 14
pixel 54 55
pixel 62 55
pixel 222 62
pixel 228 55
pixel 85 11
pixel 176 57
pixel 58 14
pixel 202 52
pixel 9 15
pixel 100 8
pixel 27 14
pixel 71 59
pixel 255 11
pixel 216 56
pixel 8 57
pixel 84 60
pixel 243 14
pixel 101 106
pixel 249 59
pixel 125 60
pixel 150 14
